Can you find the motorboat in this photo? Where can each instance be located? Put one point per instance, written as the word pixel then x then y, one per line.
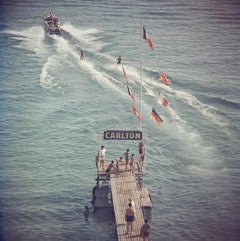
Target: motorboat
pixel 51 24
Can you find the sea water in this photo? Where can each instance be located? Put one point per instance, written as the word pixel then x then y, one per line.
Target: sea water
pixel 53 107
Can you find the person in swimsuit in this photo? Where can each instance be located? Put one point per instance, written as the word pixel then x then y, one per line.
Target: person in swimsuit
pixel 126 154
pixel 110 166
pixel 87 211
pixel 141 150
pixel 132 164
pixel 129 217
pixel 145 230
pixel 117 167
pixel 119 59
pixel 133 204
pixel 81 54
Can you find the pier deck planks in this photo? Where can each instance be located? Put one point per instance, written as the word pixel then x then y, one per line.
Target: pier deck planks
pixel 123 187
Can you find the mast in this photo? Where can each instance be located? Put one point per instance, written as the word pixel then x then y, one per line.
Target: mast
pixel 141 78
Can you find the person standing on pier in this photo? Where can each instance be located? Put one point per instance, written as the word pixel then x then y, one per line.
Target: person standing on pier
pixel 132 164
pixel 141 150
pixel 102 153
pixel 145 230
pixel 133 204
pixel 129 216
pixel 117 167
pixel 126 154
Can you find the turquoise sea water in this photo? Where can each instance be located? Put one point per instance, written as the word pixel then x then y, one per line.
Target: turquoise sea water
pixel 52 107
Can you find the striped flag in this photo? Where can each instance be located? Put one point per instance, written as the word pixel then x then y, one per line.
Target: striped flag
pixel 131 93
pixel 155 117
pixel 162 99
pixel 125 75
pixel 145 36
pixel 134 111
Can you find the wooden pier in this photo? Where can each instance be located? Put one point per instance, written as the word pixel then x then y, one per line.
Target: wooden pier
pixel 116 191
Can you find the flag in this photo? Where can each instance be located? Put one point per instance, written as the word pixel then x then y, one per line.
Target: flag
pixel 154 116
pixel 145 36
pixel 131 93
pixel 134 111
pixel 164 78
pixel 125 75
pixel 162 99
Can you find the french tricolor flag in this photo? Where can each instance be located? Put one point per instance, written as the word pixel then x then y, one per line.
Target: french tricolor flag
pixel 145 36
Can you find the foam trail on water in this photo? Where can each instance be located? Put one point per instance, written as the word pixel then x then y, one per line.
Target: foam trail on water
pixel 206 110
pixel 102 78
pixel 46 80
pixel 31 39
pixel 85 37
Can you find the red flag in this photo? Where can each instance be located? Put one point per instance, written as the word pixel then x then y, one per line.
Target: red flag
pixel 145 36
pixel 164 78
pixel 131 93
pixel 165 102
pixel 154 116
pixel 162 98
pixel 125 75
pixel 134 111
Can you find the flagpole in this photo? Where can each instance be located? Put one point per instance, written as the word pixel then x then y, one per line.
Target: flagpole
pixel 141 78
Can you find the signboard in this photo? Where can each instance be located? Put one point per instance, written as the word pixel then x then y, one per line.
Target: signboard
pixel 122 135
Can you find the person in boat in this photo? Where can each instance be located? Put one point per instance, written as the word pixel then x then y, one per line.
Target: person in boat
pixel 126 154
pixel 81 54
pixel 50 18
pixel 132 164
pixel 119 59
pixel 129 217
pixel 102 153
pixel 145 230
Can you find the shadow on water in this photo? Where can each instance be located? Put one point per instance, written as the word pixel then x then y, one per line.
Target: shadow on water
pixel 104 222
